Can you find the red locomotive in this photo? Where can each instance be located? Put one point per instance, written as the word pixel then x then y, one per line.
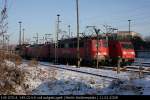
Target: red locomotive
pixel 108 51
pixel 67 50
pixel 121 49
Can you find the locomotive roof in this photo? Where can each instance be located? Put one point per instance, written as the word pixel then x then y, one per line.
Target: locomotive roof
pixel 81 38
pixel 37 45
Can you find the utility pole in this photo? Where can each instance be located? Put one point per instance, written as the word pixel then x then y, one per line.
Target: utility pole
pixel 97 44
pixel 69 30
pixel 71 34
pixel 58 21
pixel 6 42
pixel 43 40
pixel 57 33
pixel 97 40
pixel 78 40
pixel 129 25
pixel 20 33
pixel 130 28
pixel 37 38
pixel 3 41
pixel 23 35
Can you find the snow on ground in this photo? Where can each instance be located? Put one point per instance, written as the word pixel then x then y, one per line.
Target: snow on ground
pixel 141 62
pixel 143 59
pixel 93 71
pixel 71 83
pixel 64 82
pixel 46 80
pixel 143 54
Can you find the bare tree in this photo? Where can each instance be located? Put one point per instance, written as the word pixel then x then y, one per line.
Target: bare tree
pixel 3 22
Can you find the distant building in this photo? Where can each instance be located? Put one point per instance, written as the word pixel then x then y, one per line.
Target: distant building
pixel 127 33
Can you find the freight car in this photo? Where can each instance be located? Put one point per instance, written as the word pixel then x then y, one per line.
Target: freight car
pixel 40 52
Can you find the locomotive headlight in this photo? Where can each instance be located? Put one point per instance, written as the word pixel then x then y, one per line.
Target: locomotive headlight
pixel 99 54
pixel 124 52
pixel 104 53
pixel 132 53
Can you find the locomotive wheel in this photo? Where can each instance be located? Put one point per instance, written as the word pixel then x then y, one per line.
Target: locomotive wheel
pixel 102 62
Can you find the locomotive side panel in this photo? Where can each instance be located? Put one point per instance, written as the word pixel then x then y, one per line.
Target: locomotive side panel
pixel 103 51
pixel 44 52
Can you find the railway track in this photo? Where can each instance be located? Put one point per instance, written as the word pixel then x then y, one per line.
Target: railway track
pixel 140 66
pixel 144 70
pixel 109 77
pixel 135 68
pixel 83 72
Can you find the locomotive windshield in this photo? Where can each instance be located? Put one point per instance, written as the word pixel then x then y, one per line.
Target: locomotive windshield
pixel 105 43
pixel 127 46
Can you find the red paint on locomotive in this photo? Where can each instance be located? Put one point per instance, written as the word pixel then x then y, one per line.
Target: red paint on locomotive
pixel 122 49
pixel 67 49
pixel 88 49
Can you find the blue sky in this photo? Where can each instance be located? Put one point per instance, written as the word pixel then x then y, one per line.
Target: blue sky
pixel 40 15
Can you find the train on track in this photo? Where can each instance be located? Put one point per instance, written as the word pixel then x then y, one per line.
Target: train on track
pixel 107 52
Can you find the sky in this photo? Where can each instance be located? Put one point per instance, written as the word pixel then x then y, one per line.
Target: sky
pixel 40 16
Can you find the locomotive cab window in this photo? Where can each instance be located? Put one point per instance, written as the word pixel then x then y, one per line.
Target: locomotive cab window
pixel 75 44
pixel 66 45
pixel 81 44
pixel 99 44
pixel 59 45
pixel 105 44
pixel 70 45
pixel 127 46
